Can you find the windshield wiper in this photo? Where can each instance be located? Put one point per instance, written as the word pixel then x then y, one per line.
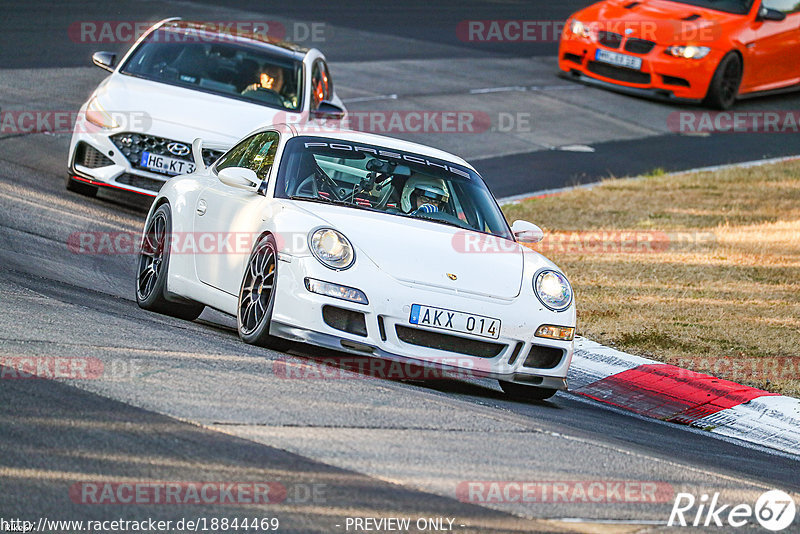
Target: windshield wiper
pixel 321 200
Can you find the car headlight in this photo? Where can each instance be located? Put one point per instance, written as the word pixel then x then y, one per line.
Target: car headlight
pixel 579 28
pixel 689 51
pixel 98 116
pixel 331 248
pixel 553 290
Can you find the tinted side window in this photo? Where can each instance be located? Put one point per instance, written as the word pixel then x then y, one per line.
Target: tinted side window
pixel 321 85
pixel 787 6
pixel 257 152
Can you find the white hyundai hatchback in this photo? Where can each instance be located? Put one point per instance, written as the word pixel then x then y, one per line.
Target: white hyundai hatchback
pixel 363 244
pixel 183 80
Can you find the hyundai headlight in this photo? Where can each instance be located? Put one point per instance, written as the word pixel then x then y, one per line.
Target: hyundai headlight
pixel 689 51
pixel 553 290
pixel 331 248
pixel 98 116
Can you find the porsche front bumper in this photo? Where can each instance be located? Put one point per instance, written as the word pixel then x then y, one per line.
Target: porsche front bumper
pixel 384 331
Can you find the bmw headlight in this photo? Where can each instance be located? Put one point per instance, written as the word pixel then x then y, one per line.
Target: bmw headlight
pixel 331 248
pixel 553 290
pixel 579 28
pixel 689 52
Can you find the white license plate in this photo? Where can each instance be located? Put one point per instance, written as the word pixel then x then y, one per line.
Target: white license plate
pixel 620 60
pixel 454 321
pixel 166 164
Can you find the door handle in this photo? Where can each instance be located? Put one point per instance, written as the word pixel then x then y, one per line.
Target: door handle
pixel 202 206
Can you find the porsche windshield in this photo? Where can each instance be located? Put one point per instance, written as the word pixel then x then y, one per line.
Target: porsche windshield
pixel 737 7
pixel 388 181
pixel 218 66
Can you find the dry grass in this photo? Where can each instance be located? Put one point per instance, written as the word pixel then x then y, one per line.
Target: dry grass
pixel 719 289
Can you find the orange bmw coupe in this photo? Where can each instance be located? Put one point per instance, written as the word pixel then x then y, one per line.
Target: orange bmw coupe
pixel 709 51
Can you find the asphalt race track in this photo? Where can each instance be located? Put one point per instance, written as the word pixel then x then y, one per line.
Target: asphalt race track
pixel 187 401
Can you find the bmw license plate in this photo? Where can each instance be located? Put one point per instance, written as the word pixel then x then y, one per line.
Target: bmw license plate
pixel 165 164
pixel 620 60
pixel 466 323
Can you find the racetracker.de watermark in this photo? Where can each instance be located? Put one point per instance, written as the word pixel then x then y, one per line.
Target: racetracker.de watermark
pixel 587 242
pixel 124 243
pixel 551 31
pixel 702 122
pixel 365 367
pixel 564 491
pixel 74 368
pixel 414 122
pixel 753 368
pixel 129 31
pixel 514 31
pixel 34 121
pixel 177 493
pixel 50 367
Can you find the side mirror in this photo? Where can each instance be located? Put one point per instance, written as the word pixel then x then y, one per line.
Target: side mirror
pixel 240 178
pixel 525 232
pixel 105 60
pixel 328 110
pixel 766 13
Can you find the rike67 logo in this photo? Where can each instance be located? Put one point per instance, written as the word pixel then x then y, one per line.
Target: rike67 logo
pixel 774 510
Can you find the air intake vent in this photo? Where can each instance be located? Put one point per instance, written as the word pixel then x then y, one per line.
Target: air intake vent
pixel 632 5
pixel 543 357
pixel 345 320
pixel 618 73
pixel 447 342
pixel 674 80
pixel 639 46
pixel 609 39
pixel 90 157
pixel 691 17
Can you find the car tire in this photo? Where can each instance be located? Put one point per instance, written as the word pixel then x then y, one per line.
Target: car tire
pixel 79 187
pixel 153 266
pixel 526 393
pixel 257 296
pixel 724 87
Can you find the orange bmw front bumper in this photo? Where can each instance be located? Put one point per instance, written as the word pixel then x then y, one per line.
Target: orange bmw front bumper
pixel 661 75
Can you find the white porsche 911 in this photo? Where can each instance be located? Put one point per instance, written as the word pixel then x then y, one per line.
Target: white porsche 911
pixel 183 78
pixel 362 244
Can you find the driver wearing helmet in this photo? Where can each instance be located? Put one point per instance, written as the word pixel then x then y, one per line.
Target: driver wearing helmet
pixel 422 194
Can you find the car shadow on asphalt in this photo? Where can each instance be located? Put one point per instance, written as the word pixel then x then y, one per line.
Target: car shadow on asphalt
pixel 321 362
pixel 335 362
